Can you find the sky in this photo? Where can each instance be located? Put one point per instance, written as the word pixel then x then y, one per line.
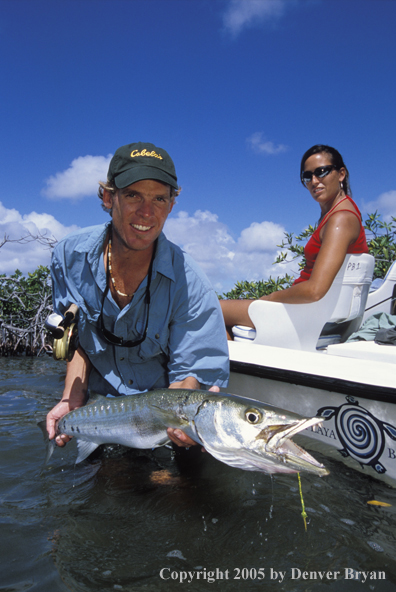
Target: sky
pixel 235 90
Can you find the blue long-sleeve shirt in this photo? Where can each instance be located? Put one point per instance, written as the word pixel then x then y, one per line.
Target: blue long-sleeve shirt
pixel 186 334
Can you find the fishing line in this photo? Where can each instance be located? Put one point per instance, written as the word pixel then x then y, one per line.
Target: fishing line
pixel 303 513
pixel 272 497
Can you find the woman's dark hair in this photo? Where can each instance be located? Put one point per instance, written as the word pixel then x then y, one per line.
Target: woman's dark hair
pixel 336 160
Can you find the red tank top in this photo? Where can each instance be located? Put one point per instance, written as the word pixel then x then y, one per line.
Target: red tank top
pixel 313 245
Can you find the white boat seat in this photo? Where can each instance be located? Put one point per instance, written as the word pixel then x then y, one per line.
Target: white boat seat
pixel 383 299
pixel 298 326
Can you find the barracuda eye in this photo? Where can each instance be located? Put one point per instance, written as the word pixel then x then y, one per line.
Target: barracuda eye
pixel 253 416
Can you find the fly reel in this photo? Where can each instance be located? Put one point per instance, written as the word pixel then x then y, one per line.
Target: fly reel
pixel 64 348
pixel 65 333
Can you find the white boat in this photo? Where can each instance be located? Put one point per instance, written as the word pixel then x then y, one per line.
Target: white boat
pixel 297 359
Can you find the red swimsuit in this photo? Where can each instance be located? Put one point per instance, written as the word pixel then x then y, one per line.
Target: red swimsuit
pixel 313 245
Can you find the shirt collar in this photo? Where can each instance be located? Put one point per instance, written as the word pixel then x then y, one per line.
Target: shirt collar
pixel 93 246
pixel 163 262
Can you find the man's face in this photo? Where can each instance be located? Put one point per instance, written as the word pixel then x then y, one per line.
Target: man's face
pixel 139 212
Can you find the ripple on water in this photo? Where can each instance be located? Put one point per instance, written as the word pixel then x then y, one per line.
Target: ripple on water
pixel 347 521
pixel 375 546
pixel 176 553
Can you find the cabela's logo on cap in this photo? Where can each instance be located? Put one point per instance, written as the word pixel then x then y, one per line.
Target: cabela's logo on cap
pixel 145 152
pixel 139 161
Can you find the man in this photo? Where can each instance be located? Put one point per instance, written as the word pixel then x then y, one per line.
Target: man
pixel 148 317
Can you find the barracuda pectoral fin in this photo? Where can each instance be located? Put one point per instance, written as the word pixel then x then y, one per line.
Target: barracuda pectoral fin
pixel 85 448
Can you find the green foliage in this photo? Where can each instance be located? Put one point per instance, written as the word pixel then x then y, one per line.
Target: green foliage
pixel 252 290
pixel 381 241
pixel 293 248
pixel 20 295
pixel 25 302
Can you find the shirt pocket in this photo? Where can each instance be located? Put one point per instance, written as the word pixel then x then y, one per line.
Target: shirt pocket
pixel 156 344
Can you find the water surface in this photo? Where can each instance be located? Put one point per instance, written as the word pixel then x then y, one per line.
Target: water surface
pixel 147 521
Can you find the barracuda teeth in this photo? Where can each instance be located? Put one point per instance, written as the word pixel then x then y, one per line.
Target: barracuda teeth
pixel 279 438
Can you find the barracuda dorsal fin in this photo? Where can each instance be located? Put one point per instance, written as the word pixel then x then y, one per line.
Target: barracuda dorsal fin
pixel 95 398
pixel 85 448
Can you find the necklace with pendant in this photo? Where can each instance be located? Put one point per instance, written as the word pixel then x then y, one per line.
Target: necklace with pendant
pixel 111 274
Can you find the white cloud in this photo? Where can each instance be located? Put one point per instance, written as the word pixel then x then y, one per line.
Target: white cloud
pixel 385 204
pixel 245 13
pixel 28 254
pixel 261 237
pixel 260 145
pixel 79 180
pixel 224 259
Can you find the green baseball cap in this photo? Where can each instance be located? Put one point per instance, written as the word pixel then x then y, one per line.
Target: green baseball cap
pixel 139 161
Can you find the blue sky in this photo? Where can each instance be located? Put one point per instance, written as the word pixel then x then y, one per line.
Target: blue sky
pixel 234 90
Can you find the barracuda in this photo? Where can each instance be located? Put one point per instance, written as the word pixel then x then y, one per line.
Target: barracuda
pixel 240 432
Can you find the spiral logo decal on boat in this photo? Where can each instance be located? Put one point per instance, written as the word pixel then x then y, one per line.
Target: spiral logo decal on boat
pixel 360 432
pixel 360 435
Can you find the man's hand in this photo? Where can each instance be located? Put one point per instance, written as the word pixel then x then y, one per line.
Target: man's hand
pixel 54 415
pixel 177 436
pixel 74 394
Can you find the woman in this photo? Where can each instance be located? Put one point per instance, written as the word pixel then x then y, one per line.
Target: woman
pixel 339 232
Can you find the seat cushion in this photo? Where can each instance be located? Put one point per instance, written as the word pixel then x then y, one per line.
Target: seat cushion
pixel 241 333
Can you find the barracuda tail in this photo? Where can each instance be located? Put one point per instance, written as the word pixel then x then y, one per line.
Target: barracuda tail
pixel 84 447
pixel 49 444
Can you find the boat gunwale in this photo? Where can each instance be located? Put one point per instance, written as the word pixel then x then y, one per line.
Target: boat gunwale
pixel 312 380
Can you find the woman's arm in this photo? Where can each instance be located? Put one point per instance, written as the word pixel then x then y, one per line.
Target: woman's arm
pixel 339 232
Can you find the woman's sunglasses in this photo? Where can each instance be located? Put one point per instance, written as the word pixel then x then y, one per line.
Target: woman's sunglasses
pixel 319 173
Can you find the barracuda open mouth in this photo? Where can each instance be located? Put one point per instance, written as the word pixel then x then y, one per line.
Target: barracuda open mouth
pixel 293 453
pixel 281 433
pixel 279 442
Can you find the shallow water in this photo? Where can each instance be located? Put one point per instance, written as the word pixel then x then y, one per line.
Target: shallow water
pixel 147 521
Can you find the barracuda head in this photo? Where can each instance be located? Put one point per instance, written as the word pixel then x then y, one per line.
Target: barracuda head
pixel 253 436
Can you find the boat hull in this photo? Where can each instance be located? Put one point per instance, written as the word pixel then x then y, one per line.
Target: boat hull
pixel 360 417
